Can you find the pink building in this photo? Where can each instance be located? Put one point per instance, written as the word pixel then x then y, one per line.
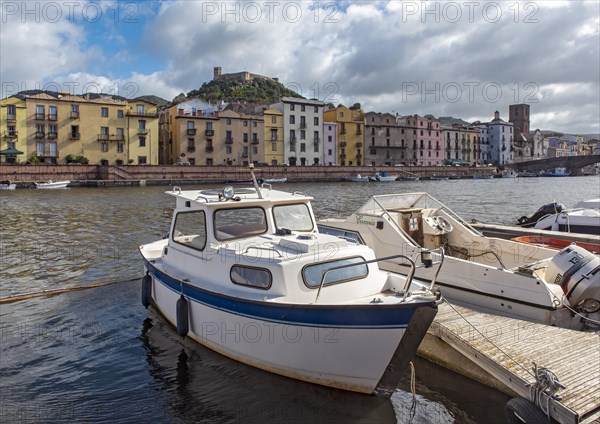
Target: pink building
pixel 424 140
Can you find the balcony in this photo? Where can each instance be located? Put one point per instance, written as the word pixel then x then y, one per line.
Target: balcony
pixel 40 116
pixel 74 114
pixel 75 136
pixel 343 156
pixel 40 134
pixel 229 140
pixel 52 117
pixel 343 130
pixel 255 141
pixel 102 137
pixel 317 141
pixel 10 134
pixel 245 155
pixel 191 149
pixel 209 133
pixel 302 125
pixel 191 131
pixel 48 153
pixel 11 117
pixel 117 137
pixel 343 144
pixel 142 131
pixel 143 114
pixel 52 135
pixel 359 144
pixel 208 149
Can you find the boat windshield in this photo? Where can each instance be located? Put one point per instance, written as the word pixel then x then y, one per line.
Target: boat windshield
pixel 293 217
pixel 239 222
pixel 397 201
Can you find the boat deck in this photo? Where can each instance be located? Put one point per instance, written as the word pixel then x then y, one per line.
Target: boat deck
pixel 500 352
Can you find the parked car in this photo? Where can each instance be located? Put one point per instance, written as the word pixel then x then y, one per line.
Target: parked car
pixel 183 164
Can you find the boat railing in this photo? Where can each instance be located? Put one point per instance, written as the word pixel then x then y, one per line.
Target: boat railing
pixel 425 258
pixel 268 249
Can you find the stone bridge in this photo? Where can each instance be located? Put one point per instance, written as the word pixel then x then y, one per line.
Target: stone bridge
pixel 572 163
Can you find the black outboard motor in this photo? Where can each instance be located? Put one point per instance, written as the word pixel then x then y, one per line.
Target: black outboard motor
pixel 549 209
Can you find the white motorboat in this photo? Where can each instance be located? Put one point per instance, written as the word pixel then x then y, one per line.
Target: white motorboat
pixel 7 185
pixel 275 180
pixel 492 275
pixel 383 177
pixel 559 172
pixel 53 184
pixel 357 179
pixel 509 173
pixel 555 217
pixel 246 273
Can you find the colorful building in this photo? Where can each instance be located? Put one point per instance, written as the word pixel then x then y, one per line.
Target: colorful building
pixel 274 153
pixel 423 140
pixel 330 143
pixel 500 138
pixel 13 130
pixel 350 135
pixel 303 130
pixel 385 140
pixel 462 144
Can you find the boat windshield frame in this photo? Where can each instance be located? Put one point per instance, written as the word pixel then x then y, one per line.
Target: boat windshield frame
pixel 240 224
pixel 379 205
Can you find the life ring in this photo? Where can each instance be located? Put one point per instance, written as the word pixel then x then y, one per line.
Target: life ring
pixel 519 410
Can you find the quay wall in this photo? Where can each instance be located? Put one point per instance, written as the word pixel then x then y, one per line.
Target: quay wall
pixel 155 174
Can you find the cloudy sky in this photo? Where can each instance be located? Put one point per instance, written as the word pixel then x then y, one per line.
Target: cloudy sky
pixel 465 59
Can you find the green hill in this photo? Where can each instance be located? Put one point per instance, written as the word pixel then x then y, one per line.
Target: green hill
pixel 258 90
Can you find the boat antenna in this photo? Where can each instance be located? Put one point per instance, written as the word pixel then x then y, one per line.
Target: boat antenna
pixel 260 196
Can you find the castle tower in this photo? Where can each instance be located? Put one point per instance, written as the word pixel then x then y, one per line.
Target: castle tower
pixel 518 115
pixel 217 73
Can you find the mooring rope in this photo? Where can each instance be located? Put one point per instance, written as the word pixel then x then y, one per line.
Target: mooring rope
pixel 23 296
pixel 546 383
pixel 413 390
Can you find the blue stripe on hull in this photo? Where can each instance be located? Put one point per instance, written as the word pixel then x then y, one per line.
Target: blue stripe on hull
pixel 339 316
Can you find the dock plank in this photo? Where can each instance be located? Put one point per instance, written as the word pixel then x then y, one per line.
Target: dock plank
pixel 507 348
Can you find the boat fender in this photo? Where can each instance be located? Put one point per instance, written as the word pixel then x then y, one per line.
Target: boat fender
pixel 146 290
pixel 519 410
pixel 182 317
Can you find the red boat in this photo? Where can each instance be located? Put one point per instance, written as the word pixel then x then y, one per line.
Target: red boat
pixel 556 243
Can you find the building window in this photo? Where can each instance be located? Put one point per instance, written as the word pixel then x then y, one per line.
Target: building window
pixel 53 113
pixel 302 147
pixel 274 147
pixel 302 135
pixel 119 147
pixel 119 113
pixel 316 120
pixel 11 112
pixel 245 123
pixel 190 125
pixel 120 134
pixel 302 108
pixel 245 135
pixel 292 107
pixel 273 134
pixel 228 150
pixel 292 119
pixel 104 146
pixel 228 121
pixel 273 119
pixel 143 142
pixel 104 112
pixel 142 160
pixel 140 109
pixel 316 109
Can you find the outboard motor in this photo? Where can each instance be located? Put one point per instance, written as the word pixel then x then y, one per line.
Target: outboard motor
pixel 549 209
pixel 577 271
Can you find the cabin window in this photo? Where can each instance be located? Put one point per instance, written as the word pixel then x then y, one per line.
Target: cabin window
pixel 234 223
pixel 259 278
pixel 190 229
pixel 293 217
pixel 312 274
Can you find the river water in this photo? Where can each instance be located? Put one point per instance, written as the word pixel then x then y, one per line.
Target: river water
pixel 98 356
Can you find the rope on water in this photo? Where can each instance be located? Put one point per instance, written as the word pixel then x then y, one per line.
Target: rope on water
pixel 413 390
pixel 23 296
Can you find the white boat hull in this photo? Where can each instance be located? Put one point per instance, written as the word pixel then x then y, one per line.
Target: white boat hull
pixel 343 358
pixel 11 186
pixel 53 185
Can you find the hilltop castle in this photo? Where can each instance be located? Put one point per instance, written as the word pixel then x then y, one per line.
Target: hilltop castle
pixel 240 76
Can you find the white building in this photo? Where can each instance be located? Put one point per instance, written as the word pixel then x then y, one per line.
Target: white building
pixel 303 130
pixel 500 137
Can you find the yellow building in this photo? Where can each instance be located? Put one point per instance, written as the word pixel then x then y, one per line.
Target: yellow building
pixel 99 129
pixel 242 134
pixel 13 130
pixel 350 134
pixel 274 153
pixel 191 130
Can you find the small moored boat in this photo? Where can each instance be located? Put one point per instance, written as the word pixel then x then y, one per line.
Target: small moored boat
pixel 357 179
pixel 246 273
pixel 53 184
pixel 559 172
pixel 556 243
pixel 7 185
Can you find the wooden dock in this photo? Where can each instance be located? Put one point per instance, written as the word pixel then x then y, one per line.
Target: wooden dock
pixel 500 352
